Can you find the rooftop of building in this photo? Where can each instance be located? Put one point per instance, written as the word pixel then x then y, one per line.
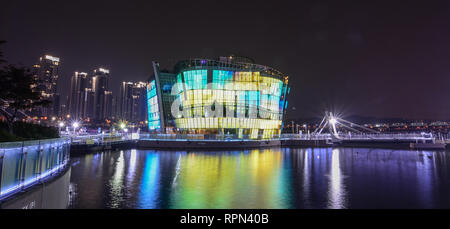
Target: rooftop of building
pixel 102 70
pixel 227 62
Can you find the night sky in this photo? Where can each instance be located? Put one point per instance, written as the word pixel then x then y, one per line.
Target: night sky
pixel 381 59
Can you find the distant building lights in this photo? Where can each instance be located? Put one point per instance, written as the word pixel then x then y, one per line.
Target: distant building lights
pixel 104 70
pixel 52 58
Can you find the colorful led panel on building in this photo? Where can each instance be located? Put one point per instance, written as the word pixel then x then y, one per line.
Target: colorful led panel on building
pixel 242 100
pixel 152 106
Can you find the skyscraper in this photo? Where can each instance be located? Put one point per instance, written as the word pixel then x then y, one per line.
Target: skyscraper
pixel 47 74
pixel 124 100
pixel 88 104
pixel 100 78
pixel 107 105
pixel 79 83
pixel 132 102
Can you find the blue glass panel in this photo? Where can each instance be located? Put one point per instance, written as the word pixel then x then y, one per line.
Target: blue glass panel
pixel 152 107
pixel 32 159
pixel 11 169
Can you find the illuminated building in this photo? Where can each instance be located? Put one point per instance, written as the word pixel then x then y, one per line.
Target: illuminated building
pixel 47 74
pixel 88 109
pixel 132 105
pixel 78 96
pixel 90 98
pixel 102 96
pixel 154 120
pixel 108 105
pixel 231 96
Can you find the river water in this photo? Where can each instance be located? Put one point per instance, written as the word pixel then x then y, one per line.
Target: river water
pixel 262 178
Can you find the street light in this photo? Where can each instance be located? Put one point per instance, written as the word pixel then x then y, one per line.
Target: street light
pixel 122 125
pixel 61 125
pixel 333 121
pixel 75 125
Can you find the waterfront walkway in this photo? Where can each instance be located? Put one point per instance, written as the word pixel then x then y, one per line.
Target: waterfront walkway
pixel 85 143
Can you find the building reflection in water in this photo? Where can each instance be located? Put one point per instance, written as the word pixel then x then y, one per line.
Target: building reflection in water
pixel 263 178
pixel 252 179
pixel 149 188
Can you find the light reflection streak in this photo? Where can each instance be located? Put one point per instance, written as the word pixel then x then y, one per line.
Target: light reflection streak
pixel 424 178
pixel 116 182
pixel 336 192
pixel 132 166
pixel 306 178
pixel 177 172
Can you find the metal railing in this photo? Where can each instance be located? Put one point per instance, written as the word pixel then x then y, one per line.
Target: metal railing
pixel 23 164
pixel 305 136
pixel 96 139
pixel 385 136
pixel 371 136
pixel 99 139
pixel 207 137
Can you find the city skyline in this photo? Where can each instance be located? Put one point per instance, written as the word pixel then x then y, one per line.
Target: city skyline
pixel 383 59
pixel 226 112
pixel 65 96
pixel 89 97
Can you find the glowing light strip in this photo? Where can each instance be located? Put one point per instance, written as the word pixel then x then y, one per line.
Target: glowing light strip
pixel 30 181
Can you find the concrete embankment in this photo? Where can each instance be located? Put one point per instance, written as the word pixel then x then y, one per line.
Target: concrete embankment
pixel 85 148
pixel 205 144
pixel 52 193
pixel 391 144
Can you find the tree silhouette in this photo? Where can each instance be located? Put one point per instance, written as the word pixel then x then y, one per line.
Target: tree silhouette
pixel 17 93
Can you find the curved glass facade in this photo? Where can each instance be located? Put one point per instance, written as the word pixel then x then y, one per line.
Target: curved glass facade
pixel 246 100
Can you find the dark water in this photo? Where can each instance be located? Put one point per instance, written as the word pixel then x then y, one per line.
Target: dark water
pixel 262 178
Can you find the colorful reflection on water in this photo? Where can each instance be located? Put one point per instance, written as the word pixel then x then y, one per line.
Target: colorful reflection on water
pixel 263 178
pixel 227 180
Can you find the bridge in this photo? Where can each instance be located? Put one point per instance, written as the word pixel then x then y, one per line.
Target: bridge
pixel 337 131
pixel 332 131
